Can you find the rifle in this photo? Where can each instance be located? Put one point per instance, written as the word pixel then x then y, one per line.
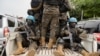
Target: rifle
pixel 71 40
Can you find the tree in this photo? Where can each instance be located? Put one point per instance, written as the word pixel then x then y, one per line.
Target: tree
pixel 90 8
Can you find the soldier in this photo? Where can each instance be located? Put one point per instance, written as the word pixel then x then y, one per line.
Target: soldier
pixel 20 37
pixel 50 16
pixel 38 18
pixel 64 8
pixel 51 12
pixel 77 35
pixel 36 10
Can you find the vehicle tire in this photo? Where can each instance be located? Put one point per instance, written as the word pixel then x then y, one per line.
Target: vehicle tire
pixel 98 46
pixel 3 52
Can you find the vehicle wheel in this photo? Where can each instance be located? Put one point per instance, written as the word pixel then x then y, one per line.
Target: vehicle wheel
pixel 3 52
pixel 98 46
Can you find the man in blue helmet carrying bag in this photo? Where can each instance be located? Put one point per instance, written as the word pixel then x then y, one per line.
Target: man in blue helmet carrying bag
pixel 25 33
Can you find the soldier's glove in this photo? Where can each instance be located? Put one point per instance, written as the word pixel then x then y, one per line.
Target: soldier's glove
pixel 66 32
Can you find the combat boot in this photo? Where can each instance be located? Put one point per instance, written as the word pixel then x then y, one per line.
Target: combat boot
pixel 54 40
pixel 42 41
pixel 84 53
pixel 59 51
pixel 20 49
pixel 31 53
pixel 32 48
pixel 94 54
pixel 50 44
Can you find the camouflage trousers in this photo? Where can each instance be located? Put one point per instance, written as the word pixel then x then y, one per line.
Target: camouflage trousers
pixel 38 17
pixel 25 42
pixel 50 19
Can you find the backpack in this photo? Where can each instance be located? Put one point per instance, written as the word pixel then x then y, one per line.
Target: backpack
pixel 52 2
pixel 63 7
pixel 36 4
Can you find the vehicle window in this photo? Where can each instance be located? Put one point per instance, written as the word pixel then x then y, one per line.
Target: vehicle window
pixel 92 26
pixel 11 23
pixel 0 21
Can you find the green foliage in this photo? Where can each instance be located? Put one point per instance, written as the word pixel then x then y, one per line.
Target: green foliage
pixel 90 8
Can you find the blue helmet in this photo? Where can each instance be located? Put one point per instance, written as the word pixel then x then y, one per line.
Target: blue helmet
pixel 72 19
pixel 30 17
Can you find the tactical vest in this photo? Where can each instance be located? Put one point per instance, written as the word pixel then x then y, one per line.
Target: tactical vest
pixel 75 35
pixel 63 7
pixel 52 2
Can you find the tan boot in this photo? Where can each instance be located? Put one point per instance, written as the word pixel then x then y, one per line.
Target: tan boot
pixel 54 40
pixel 59 51
pixel 94 54
pixel 32 49
pixel 20 49
pixel 85 53
pixel 50 44
pixel 31 53
pixel 42 41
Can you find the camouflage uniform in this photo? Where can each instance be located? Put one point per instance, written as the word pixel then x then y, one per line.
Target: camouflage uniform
pixel 37 10
pixel 65 43
pixel 62 22
pixel 77 34
pixel 38 17
pixel 50 16
pixel 64 17
pixel 23 40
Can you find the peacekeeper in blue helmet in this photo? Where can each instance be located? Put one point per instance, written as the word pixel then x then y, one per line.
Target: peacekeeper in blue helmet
pixel 27 37
pixel 77 35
